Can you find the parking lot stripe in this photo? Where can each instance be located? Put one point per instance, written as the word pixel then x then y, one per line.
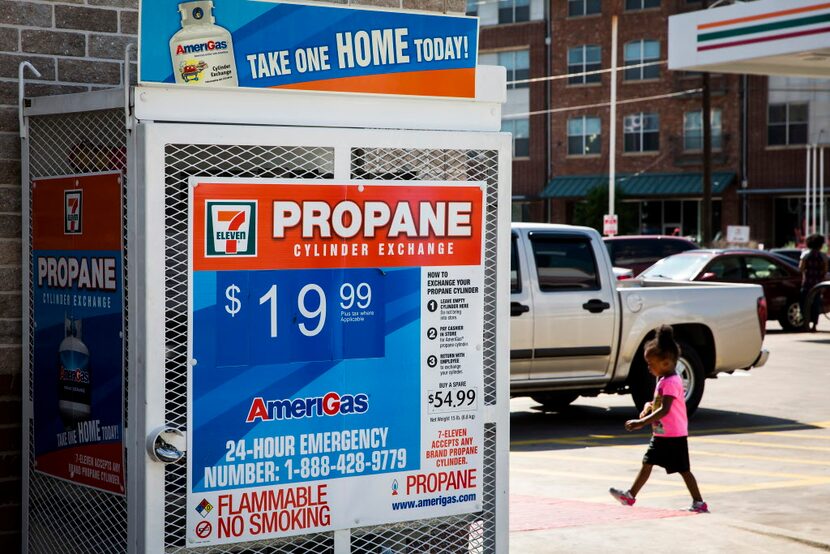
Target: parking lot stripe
pixel 709 489
pixel 773 445
pixel 795 436
pixel 590 476
pixel 632 463
pixel 698 432
pixel 793 461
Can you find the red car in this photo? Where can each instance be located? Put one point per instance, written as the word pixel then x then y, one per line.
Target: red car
pixel 781 281
pixel 639 252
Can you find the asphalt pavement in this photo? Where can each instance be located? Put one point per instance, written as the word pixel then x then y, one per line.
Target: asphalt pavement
pixel 760 449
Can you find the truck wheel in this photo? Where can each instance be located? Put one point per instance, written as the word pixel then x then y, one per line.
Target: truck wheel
pixel 690 370
pixel 555 401
pixel 793 319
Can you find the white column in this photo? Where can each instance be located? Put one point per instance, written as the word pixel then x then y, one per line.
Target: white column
pixel 807 192
pixel 814 200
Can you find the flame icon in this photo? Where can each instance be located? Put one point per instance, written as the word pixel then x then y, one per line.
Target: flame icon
pixel 395 487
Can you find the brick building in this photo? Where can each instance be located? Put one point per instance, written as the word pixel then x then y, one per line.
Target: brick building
pixel 561 125
pixel 77 45
pixel 784 115
pixel 659 141
pixel 515 34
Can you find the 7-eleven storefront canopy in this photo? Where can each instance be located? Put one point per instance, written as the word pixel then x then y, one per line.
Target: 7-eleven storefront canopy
pixel 767 37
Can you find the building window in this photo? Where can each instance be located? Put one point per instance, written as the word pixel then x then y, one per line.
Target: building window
pixel 517 63
pixel 631 5
pixel 520 129
pixel 693 130
pixel 472 7
pixel 512 11
pixel 582 59
pixel 640 52
pixel 642 132
pixel 578 8
pixel 787 124
pixel 583 136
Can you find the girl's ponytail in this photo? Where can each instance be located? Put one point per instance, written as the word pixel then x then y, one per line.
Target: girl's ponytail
pixel 663 344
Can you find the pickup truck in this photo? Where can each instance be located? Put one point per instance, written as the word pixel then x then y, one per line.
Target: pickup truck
pixel 577 331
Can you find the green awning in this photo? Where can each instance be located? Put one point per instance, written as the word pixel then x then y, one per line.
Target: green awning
pixel 646 185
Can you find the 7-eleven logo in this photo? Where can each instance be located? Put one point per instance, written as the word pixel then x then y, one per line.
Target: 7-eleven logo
pixel 231 228
pixel 72 211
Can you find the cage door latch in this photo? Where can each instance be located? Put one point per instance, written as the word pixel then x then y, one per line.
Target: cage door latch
pixel 167 445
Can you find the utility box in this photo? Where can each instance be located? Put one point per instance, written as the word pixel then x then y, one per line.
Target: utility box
pixel 266 321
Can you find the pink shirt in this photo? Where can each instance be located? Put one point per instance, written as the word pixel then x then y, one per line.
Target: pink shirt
pixel 675 423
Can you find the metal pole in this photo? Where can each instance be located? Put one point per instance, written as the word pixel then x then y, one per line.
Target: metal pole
pixel 807 192
pixel 814 199
pixel 821 207
pixel 706 116
pixel 612 158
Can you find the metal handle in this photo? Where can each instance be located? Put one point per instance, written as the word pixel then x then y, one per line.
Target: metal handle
pixel 596 306
pixel 21 93
pixel 126 78
pixel 167 445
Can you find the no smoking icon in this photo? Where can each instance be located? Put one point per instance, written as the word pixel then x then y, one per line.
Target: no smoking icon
pixel 203 529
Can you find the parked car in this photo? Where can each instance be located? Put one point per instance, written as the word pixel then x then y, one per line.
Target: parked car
pixel 823 289
pixel 793 254
pixel 781 281
pixel 578 331
pixel 640 252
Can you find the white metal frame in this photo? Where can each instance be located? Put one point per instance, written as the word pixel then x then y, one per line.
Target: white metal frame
pixel 46 105
pixel 147 507
pixel 204 117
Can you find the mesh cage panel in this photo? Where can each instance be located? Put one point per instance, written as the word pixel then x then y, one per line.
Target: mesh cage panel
pixel 64 517
pixel 468 534
pixel 412 164
pixel 181 162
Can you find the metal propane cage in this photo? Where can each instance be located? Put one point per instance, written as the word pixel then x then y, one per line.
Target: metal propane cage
pixel 156 139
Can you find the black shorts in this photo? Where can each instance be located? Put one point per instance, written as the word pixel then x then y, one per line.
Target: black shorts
pixel 671 453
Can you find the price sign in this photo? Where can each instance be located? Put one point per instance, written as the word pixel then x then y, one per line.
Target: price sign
pixel 292 316
pixel 337 351
pixel 452 400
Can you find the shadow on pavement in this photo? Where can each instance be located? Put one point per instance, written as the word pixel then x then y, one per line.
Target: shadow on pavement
pixel 588 426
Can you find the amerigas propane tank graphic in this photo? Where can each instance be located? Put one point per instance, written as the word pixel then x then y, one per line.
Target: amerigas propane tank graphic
pixel 77 362
pixel 202 52
pixel 74 375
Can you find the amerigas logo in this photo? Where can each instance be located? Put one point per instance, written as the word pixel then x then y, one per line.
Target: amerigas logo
pixel 72 211
pixel 231 228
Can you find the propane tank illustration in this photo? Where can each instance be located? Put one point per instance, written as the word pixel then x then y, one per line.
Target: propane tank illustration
pixel 74 386
pixel 202 52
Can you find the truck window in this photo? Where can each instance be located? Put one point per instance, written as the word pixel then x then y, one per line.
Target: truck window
pixel 564 263
pixel 515 275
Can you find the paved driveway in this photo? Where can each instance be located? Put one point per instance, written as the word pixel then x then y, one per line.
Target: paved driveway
pixel 760 448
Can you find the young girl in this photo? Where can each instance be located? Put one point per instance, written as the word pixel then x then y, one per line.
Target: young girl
pixel 669 447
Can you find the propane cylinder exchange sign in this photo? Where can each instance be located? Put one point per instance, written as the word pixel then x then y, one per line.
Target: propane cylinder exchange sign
pixel 77 316
pixel 336 355
pixel 265 44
